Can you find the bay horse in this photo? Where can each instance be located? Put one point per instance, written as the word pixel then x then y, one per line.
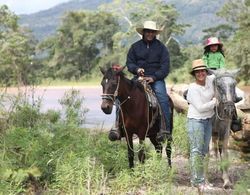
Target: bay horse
pixel 224 86
pixel 136 116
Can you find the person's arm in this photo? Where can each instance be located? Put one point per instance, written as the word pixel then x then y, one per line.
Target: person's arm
pixel 164 65
pixel 131 61
pixel 193 97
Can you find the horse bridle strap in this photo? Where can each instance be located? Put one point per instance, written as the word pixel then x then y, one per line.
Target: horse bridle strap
pixel 113 96
pixel 228 103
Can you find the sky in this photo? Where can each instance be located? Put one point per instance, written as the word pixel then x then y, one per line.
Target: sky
pixel 30 6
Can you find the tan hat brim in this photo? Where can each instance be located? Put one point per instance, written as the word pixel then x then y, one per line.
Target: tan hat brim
pixel 198 68
pixel 140 30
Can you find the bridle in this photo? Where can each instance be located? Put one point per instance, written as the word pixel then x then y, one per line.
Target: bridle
pixel 219 103
pixel 110 96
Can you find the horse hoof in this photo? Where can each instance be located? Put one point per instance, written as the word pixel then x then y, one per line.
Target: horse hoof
pixel 228 185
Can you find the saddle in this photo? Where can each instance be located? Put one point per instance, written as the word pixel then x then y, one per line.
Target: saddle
pixel 150 95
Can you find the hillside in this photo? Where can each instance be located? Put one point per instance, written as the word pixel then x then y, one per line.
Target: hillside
pixel 45 23
pixel 198 13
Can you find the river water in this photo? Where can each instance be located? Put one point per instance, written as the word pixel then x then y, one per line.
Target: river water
pixel 50 96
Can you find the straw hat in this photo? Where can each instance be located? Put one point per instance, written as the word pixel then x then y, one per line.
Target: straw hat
pixel 198 65
pixel 148 25
pixel 212 41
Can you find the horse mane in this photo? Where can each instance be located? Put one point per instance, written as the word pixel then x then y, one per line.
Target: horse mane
pixel 132 82
pixel 225 72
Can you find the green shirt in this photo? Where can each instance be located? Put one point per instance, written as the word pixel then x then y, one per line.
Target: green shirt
pixel 214 60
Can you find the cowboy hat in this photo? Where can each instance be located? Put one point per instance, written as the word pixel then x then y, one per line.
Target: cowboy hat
pixel 198 65
pixel 212 41
pixel 150 25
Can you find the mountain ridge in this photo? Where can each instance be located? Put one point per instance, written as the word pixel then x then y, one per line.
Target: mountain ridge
pixel 200 14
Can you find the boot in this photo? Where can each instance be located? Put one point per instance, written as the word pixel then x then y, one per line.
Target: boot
pixel 164 133
pixel 115 132
pixel 237 99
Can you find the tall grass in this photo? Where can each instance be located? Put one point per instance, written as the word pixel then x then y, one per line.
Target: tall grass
pixel 50 153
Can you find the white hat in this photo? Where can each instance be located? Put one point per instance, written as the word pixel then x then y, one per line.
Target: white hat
pixel 148 25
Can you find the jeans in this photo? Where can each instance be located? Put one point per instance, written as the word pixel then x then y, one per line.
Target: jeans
pixel 159 87
pixel 199 133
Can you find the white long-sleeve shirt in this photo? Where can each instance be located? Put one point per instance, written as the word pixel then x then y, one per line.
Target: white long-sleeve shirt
pixel 200 99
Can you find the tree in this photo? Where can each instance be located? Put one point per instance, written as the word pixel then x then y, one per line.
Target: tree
pixel 80 41
pixel 132 14
pixel 238 49
pixel 16 50
pixel 223 31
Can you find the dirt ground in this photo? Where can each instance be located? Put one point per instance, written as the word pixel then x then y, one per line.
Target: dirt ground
pixel 246 89
pixel 237 169
pixel 182 179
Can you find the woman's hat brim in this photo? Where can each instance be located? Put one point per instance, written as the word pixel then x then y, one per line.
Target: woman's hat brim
pixel 198 68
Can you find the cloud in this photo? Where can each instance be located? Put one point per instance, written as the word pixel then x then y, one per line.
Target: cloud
pixel 30 6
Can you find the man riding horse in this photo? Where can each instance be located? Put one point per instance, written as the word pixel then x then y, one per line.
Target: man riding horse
pixel 149 58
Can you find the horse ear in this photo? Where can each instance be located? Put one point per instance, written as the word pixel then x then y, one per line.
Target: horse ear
pixel 121 69
pixel 210 71
pixel 118 69
pixel 235 72
pixel 102 70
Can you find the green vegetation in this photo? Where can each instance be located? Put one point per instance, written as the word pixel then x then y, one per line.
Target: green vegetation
pixel 50 153
pixel 86 40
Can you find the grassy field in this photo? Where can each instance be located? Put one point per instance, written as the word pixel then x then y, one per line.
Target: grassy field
pixel 45 153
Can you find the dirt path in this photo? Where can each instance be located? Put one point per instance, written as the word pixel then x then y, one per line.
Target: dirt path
pixel 182 179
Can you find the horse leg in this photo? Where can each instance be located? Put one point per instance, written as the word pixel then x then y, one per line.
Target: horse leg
pixel 225 164
pixel 168 152
pixel 130 151
pixel 141 154
pixel 157 145
pixel 215 146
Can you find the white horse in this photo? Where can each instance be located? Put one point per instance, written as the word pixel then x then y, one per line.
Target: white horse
pixel 224 84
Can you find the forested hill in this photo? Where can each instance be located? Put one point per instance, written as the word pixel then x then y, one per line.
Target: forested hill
pixel 198 13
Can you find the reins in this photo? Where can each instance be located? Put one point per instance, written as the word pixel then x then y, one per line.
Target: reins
pixel 113 97
pixel 125 129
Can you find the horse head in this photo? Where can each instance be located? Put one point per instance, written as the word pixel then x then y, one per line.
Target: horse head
pixel 225 84
pixel 110 86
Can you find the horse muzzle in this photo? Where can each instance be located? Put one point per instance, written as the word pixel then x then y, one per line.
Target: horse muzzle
pixel 229 109
pixel 107 106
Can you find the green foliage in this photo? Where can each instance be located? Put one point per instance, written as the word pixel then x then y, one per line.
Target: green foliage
pixel 129 18
pixel 243 186
pixel 180 137
pixel 16 50
pixel 81 40
pixel 238 49
pixel 152 176
pixel 59 157
pixel 72 105
pixel 177 56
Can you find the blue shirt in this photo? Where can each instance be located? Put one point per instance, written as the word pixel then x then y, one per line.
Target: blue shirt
pixel 153 57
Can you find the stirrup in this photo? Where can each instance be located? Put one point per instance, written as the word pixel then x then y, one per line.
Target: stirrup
pixel 161 136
